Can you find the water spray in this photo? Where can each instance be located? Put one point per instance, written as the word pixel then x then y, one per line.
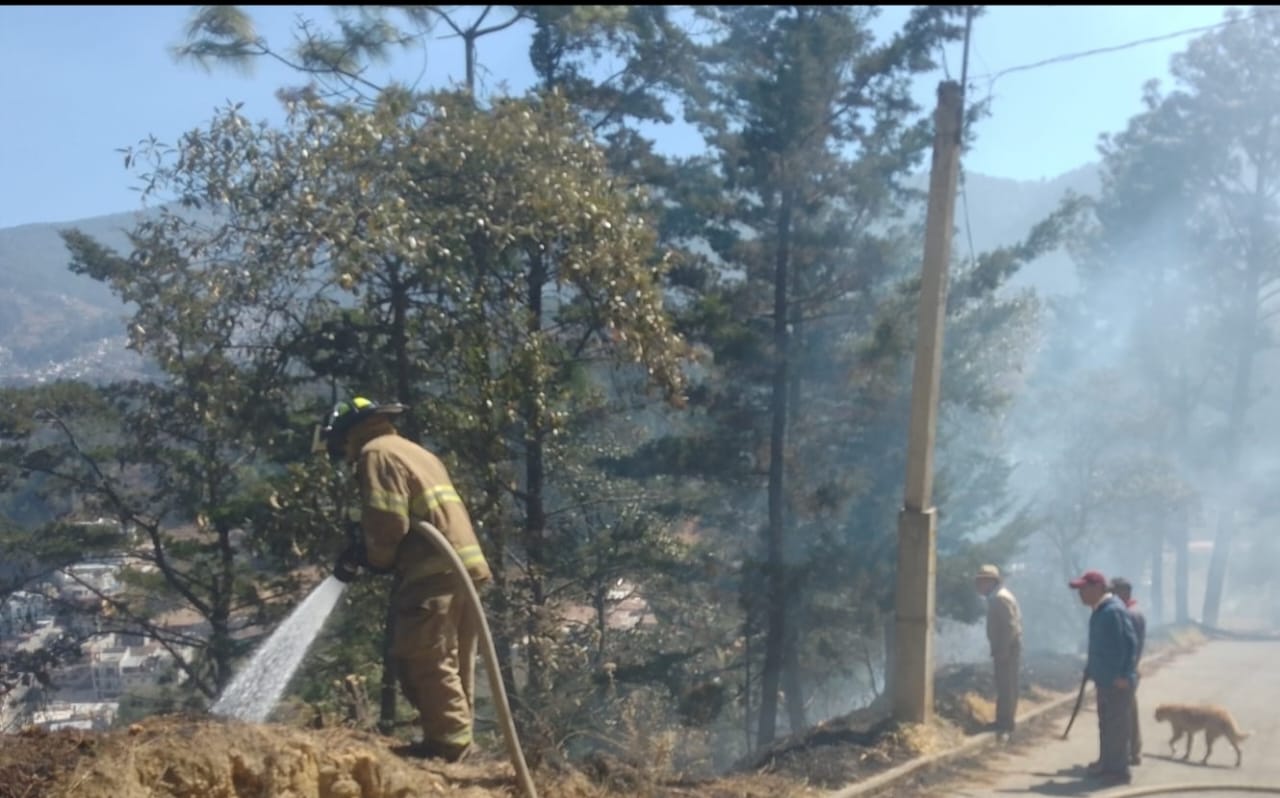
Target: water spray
pixel 254 692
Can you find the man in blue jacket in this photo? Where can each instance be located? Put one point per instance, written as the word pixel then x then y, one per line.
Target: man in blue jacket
pixel 1112 666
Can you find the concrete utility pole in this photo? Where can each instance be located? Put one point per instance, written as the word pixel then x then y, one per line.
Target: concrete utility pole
pixel 917 523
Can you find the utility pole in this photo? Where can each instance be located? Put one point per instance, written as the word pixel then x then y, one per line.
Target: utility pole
pixel 917 523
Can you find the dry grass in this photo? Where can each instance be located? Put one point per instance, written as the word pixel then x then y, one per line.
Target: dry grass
pixel 185 757
pixel 919 739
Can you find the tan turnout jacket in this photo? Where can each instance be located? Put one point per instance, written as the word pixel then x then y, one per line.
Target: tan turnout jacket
pixel 402 483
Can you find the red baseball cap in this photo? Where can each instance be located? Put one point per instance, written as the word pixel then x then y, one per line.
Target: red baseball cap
pixel 1088 578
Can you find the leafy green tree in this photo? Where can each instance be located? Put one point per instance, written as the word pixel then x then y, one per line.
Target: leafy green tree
pixel 650 60
pixel 489 252
pixel 182 469
pixel 50 521
pixel 337 63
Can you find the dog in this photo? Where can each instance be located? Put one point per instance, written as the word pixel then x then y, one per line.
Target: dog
pixel 1214 721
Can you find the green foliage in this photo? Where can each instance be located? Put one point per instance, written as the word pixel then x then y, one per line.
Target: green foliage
pixel 165 698
pixel 800 293
pixel 511 280
pixel 548 295
pixel 336 60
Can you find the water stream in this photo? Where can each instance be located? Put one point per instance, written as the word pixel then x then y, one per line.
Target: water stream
pixel 258 686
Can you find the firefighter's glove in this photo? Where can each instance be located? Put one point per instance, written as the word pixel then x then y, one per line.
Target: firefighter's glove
pixel 349 562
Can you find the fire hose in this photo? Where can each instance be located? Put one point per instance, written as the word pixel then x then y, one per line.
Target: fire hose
pixel 1171 789
pixel 490 662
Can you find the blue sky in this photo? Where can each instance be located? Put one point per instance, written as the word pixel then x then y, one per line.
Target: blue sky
pixel 78 82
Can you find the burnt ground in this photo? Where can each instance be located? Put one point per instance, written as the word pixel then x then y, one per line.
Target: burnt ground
pixel 867 742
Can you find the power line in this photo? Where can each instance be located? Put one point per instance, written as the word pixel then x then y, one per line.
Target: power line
pixel 991 78
pixel 1058 59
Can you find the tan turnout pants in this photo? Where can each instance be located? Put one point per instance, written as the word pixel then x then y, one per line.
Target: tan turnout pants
pixel 434 648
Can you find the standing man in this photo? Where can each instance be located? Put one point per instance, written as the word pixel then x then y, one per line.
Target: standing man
pixel 1004 633
pixel 1112 665
pixel 434 634
pixel 1124 591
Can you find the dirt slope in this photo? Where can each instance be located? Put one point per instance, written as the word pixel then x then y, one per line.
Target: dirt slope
pixel 200 757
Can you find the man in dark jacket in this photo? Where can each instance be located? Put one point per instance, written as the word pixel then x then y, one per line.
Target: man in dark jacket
pixel 1124 591
pixel 1112 666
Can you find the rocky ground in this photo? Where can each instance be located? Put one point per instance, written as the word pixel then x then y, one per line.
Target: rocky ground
pixel 199 757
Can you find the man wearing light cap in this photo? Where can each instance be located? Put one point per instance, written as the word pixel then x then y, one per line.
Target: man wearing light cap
pixel 1112 666
pixel 1004 633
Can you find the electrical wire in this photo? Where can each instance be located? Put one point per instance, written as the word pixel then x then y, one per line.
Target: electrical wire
pixel 1059 59
pixel 991 78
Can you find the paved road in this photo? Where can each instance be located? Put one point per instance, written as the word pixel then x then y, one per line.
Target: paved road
pixel 1244 677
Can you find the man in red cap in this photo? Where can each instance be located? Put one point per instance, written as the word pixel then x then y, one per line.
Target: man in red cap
pixel 1112 665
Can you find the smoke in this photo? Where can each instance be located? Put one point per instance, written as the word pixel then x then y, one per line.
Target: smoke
pixel 1120 438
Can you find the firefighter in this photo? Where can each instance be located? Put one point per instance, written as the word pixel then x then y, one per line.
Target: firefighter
pixel 1004 633
pixel 434 633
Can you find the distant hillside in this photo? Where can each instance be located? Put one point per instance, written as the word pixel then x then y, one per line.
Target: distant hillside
pixel 57 324
pixel 54 323
pixel 1002 211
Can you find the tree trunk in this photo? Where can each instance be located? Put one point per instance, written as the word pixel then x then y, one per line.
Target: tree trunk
pixel 1181 586
pixel 748 631
pixel 792 681
pixel 400 349
pixel 387 691
pixel 1157 579
pixel 502 624
pixel 792 686
pixel 470 42
pixel 1217 576
pixel 886 689
pixel 1240 400
pixel 535 522
pixel 600 599
pixel 776 581
pixel 223 590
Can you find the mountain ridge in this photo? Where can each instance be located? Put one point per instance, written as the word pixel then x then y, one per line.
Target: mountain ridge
pixel 57 324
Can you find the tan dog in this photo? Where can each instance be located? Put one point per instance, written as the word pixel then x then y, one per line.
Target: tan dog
pixel 1214 721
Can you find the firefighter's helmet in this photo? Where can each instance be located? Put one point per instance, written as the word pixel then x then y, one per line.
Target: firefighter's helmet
pixel 345 416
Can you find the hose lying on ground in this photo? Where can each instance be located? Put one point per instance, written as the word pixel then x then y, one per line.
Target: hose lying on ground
pixel 490 663
pixel 1138 792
